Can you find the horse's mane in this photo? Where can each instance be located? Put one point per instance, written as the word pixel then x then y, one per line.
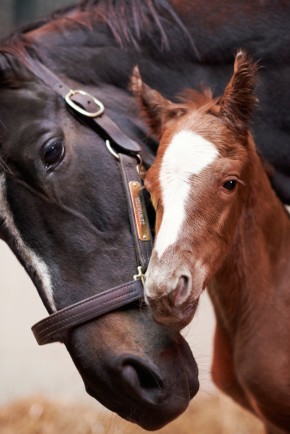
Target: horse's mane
pixel 17 34
pixel 128 20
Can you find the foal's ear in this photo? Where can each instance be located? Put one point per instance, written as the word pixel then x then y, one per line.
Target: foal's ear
pixel 238 100
pixel 156 109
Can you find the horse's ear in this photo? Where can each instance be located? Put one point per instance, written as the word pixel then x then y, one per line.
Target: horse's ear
pixel 156 109
pixel 238 100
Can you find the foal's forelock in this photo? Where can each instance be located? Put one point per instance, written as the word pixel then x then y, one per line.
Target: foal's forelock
pixel 187 155
pixel 25 253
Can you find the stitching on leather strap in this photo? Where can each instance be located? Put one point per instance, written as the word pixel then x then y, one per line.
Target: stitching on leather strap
pixel 51 325
pixel 56 324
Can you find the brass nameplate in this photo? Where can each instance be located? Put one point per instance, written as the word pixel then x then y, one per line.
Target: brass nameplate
pixel 139 211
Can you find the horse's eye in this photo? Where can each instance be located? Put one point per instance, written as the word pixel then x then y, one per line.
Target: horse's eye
pixel 52 152
pixel 230 185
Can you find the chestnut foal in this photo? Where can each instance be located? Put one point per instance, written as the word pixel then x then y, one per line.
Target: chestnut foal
pixel 220 225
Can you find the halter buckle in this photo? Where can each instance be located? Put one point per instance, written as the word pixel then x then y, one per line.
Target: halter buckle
pixel 90 99
pixel 140 275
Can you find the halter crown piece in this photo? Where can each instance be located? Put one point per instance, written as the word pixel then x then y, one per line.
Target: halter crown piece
pixel 55 327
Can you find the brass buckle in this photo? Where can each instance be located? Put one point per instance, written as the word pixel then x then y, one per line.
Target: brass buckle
pixel 79 109
pixel 140 275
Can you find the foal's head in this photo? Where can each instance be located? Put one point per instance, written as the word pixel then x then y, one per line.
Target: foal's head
pixel 197 185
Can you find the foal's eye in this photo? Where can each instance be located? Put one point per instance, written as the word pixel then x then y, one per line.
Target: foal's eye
pixel 230 185
pixel 52 152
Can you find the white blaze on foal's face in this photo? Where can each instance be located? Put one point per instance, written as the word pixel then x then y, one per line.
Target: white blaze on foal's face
pixel 186 155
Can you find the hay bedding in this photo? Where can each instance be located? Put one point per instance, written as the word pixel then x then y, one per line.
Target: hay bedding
pixel 38 415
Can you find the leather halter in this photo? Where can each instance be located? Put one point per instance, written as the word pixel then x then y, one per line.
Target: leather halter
pixel 55 327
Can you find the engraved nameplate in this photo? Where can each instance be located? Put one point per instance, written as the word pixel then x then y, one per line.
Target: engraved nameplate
pixel 139 211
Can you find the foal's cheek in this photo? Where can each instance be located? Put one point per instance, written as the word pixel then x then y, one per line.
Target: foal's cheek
pixel 147 182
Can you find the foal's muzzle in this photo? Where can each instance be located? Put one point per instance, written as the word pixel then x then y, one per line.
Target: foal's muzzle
pixel 173 316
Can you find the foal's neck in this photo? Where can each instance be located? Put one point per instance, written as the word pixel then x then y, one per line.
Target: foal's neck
pixel 256 267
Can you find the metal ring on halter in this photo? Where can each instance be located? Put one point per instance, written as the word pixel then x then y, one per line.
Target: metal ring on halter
pixel 116 155
pixel 140 167
pixel 111 150
pixel 140 159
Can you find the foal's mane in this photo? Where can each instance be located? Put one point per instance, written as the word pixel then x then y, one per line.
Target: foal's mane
pixel 202 100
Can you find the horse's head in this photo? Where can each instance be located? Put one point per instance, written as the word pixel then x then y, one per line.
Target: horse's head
pixel 197 185
pixel 63 212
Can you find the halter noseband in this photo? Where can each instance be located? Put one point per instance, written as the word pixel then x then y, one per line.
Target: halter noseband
pixel 55 327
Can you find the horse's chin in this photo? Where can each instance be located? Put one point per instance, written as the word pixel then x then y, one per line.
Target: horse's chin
pixel 152 415
pixel 159 417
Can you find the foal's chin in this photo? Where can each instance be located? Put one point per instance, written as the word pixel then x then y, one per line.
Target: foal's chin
pixel 172 316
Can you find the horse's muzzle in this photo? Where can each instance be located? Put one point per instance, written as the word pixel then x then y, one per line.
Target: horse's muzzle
pixel 149 383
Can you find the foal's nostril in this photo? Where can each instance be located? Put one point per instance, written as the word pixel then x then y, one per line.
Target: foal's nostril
pixel 182 290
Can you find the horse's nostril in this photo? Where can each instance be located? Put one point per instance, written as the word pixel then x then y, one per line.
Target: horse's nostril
pixel 182 290
pixel 141 378
pixel 139 374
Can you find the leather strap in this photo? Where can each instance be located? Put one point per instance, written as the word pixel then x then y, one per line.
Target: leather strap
pixel 54 328
pixel 103 121
pixel 129 173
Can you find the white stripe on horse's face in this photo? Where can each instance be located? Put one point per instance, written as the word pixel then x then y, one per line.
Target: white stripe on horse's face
pixel 27 255
pixel 187 154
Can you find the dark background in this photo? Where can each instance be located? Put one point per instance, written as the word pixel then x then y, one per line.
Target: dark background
pixel 14 13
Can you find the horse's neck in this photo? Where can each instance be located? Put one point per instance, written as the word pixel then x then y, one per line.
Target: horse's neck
pixel 67 46
pixel 257 264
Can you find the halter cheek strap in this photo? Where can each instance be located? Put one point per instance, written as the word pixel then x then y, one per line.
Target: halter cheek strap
pixel 56 326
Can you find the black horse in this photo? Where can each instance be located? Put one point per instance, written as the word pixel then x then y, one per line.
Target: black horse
pixel 62 204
